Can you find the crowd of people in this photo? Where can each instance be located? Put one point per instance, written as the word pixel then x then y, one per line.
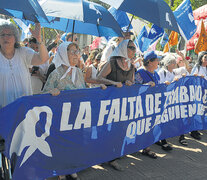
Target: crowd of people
pixel 37 69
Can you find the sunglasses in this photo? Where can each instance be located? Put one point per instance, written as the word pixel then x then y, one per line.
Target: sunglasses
pixel 4 35
pixel 74 52
pixel 132 48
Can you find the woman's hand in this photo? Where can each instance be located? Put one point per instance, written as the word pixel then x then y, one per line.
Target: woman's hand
pixel 151 83
pixel 103 86
pixel 184 74
pixel 175 79
pixel 167 82
pixel 54 92
pixel 202 76
pixel 128 83
pixel 195 75
pixel 36 33
pixel 118 84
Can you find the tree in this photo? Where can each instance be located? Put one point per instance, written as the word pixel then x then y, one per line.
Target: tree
pixel 101 3
pixel 195 3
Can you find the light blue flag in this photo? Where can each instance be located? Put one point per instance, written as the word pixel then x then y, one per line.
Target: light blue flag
pixel 164 39
pixel 122 18
pixel 155 33
pixel 185 19
pixel 24 26
pixel 143 40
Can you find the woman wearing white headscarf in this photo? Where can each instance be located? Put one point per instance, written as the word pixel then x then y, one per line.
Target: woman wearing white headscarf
pixel 66 76
pixel 119 69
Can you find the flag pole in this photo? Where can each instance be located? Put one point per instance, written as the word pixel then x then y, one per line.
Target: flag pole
pixel 73 29
pixel 43 34
pixel 130 23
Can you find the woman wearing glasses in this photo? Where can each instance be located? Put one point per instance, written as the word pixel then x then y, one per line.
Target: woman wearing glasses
pixel 66 76
pixel 15 78
pixel 119 70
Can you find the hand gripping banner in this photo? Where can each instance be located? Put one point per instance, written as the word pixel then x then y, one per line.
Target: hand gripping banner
pixel 48 136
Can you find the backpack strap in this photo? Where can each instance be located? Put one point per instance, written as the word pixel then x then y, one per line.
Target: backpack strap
pixel 165 73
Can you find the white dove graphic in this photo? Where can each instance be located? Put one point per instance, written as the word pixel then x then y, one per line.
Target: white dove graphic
pixel 25 134
pixel 191 17
pixel 153 31
pixel 167 16
pixel 91 6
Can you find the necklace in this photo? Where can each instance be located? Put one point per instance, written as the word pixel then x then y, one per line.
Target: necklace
pixel 9 55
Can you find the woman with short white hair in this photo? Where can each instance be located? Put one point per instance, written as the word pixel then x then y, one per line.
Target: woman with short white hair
pixel 170 73
pixel 166 73
pixel 15 78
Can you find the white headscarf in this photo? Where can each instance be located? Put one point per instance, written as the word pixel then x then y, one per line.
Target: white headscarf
pixel 61 57
pixel 121 50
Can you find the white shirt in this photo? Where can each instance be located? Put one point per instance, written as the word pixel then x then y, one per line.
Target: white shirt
pixel 93 75
pixel 36 84
pixel 180 71
pixel 15 78
pixel 202 71
pixel 166 75
pixel 43 68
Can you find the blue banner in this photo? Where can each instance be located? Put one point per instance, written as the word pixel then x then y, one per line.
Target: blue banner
pixel 155 33
pixel 185 19
pixel 48 136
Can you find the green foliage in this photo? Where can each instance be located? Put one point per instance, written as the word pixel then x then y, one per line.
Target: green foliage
pixel 50 35
pixel 101 3
pixel 195 3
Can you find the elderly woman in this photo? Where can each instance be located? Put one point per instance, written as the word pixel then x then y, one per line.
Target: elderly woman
pixel 66 76
pixel 15 61
pixel 168 75
pixel 117 71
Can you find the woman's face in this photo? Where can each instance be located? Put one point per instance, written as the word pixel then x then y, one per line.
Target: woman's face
pixel 73 55
pixel 7 38
pixel 181 63
pixel 204 60
pixel 154 64
pixel 131 50
pixel 171 66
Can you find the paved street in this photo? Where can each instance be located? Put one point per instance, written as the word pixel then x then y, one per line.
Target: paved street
pixel 181 163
